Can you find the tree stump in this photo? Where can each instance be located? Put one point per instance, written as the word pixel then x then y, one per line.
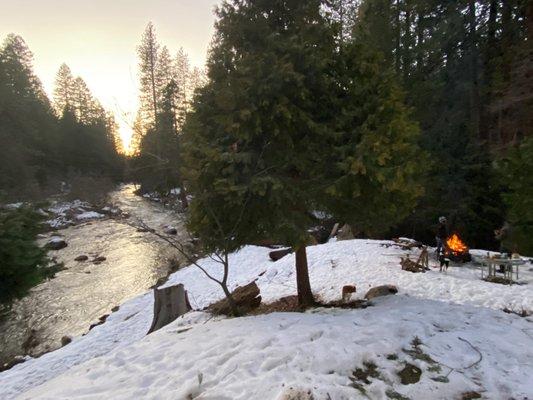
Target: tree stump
pixel 169 303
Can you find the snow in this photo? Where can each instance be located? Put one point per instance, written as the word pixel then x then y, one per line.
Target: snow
pixel 263 357
pixel 61 208
pixel 14 206
pixel 89 215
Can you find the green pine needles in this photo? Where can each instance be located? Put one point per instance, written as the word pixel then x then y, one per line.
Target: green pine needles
pixel 291 123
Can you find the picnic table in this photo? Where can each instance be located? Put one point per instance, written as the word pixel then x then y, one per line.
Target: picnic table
pixel 508 264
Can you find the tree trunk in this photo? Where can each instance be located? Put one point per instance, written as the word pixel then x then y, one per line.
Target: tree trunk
pixel 407 60
pixel 529 22
pixel 419 42
pixel 397 32
pixel 305 295
pixel 474 89
pixel 231 301
pixel 183 197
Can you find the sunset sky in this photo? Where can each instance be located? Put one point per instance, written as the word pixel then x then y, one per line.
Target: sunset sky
pixel 98 38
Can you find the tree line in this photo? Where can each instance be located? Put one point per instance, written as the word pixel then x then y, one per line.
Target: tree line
pixel 43 141
pixel 465 67
pixel 166 88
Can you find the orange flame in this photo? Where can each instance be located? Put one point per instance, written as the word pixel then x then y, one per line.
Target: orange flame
pixel 456 245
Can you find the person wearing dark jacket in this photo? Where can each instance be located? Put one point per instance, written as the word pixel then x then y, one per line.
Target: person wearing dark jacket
pixel 442 235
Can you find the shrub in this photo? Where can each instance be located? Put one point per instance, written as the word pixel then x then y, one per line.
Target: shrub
pixel 22 262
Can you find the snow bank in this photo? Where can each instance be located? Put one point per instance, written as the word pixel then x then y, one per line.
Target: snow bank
pixel 252 357
pixel 270 356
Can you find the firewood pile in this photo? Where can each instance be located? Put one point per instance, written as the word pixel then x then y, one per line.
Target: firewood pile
pixel 407 244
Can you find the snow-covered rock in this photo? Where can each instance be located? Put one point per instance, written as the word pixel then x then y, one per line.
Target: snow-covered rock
pixel 86 215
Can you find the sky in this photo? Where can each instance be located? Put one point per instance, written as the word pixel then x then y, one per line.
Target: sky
pixel 97 39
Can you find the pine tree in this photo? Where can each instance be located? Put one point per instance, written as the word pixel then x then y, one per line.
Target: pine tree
pixel 282 129
pixel 64 90
pixel 148 52
pixel 375 170
pixel 22 261
pixel 516 171
pixel 27 124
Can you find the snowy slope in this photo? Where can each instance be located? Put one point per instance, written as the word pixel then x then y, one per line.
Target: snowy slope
pixel 251 358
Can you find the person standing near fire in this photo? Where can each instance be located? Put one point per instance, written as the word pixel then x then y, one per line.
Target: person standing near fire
pixel 441 236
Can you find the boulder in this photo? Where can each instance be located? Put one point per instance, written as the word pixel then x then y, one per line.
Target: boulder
pixel 169 230
pixel 65 340
pixel 16 360
pixel 81 258
pixel 99 260
pixel 379 291
pixel 279 254
pixel 56 243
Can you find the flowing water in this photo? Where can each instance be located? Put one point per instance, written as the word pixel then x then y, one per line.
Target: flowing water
pixel 84 291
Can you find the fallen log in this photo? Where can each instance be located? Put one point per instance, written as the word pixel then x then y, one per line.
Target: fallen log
pixel 169 303
pixel 279 254
pixel 246 299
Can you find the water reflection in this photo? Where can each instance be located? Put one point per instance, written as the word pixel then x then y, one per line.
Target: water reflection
pixel 69 303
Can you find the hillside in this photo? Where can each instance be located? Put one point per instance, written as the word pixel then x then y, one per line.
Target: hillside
pixel 449 325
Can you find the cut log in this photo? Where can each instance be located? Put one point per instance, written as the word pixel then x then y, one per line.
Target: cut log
pixel 279 254
pixel 334 230
pixel 246 298
pixel 169 303
pixel 345 233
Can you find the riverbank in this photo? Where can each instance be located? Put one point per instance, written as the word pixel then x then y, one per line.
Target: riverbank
pixel 121 262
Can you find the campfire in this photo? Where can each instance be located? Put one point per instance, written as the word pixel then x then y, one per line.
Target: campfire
pixel 456 249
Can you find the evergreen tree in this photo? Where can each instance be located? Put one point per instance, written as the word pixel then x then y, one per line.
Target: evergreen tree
pixel 22 261
pixel 27 125
pixel 64 90
pixel 148 52
pixel 516 171
pixel 267 144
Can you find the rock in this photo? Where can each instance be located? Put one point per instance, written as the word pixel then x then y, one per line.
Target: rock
pixel 279 254
pixel 379 291
pixel 347 291
pixel 8 365
pixel 246 298
pixel 470 396
pixel 345 233
pixel 99 260
pixel 410 374
pixel 65 340
pixel 81 258
pixel 100 321
pixel 115 309
pixel 56 243
pixel 169 230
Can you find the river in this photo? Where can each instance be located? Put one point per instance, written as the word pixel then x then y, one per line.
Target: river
pixel 67 304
